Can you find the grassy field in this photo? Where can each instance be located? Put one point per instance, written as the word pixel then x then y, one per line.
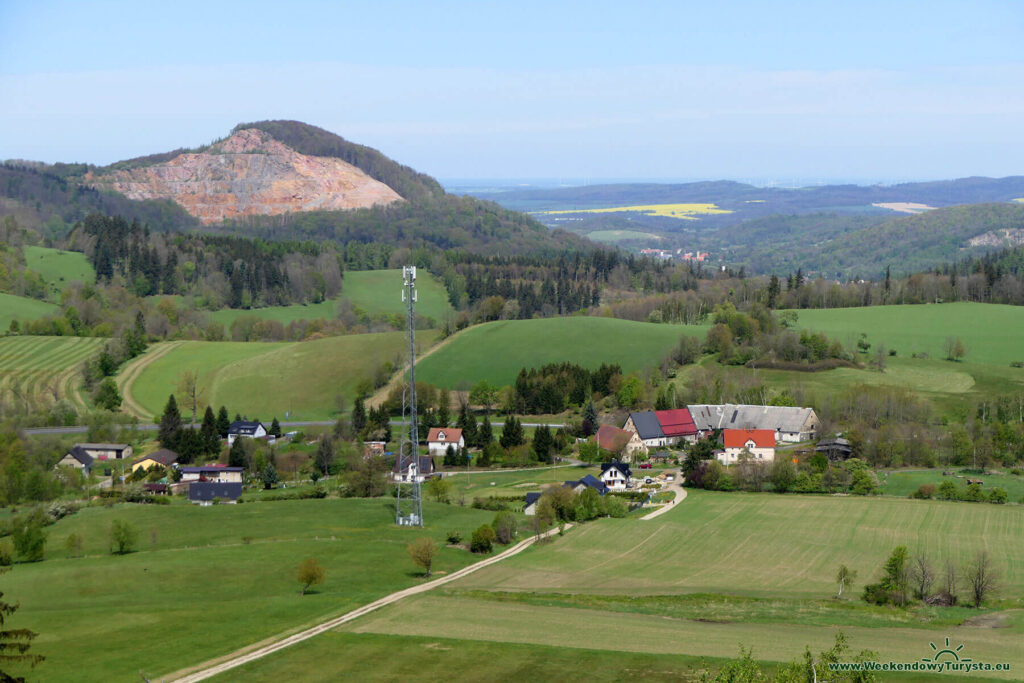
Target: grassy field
pixel 32 369
pixel 512 482
pixel 991 332
pixel 725 569
pixel 373 291
pixel 709 544
pixel 196 590
pixel 684 211
pixel 22 308
pixel 621 235
pixel 58 267
pixel 905 482
pixel 497 351
pixel 264 379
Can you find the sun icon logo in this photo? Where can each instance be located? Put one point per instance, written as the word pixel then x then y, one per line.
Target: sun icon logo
pixel 946 652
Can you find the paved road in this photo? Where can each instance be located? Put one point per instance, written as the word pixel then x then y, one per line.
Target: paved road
pixel 82 429
pixel 243 657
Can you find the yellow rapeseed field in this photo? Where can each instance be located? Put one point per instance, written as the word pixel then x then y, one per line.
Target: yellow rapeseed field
pixel 685 211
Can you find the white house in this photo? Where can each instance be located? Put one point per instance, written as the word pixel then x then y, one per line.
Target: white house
pixel 615 475
pixel 220 474
pixel 247 429
pixel 440 438
pixel 760 443
pixel 409 469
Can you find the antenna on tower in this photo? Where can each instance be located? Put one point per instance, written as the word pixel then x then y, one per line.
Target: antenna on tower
pixel 408 502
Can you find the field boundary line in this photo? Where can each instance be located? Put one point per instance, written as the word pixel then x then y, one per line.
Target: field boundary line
pixel 241 657
pixel 381 394
pixel 132 372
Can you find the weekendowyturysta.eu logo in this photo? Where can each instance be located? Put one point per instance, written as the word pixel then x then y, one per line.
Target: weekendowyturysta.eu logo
pixel 944 658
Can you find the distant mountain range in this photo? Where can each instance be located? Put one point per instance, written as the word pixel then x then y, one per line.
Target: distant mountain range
pixel 273 179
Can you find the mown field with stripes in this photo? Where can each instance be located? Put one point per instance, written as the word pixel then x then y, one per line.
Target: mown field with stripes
pixel 37 371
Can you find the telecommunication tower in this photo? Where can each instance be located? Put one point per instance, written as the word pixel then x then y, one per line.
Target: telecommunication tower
pixel 408 503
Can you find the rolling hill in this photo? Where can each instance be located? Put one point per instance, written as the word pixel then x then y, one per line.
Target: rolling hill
pixel 276 180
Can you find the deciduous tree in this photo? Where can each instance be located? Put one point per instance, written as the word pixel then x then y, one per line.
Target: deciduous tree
pixel 423 551
pixel 310 574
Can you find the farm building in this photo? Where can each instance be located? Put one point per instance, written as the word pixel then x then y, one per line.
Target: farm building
pixel 619 442
pixel 220 474
pixel 531 503
pixel 835 449
pixel 615 475
pixel 759 443
pixel 106 451
pixel 790 424
pixel 160 458
pixel 205 492
pixel 440 438
pixel 247 429
pixel 677 425
pixel 587 482
pixel 647 427
pixel 78 458
pixel 409 469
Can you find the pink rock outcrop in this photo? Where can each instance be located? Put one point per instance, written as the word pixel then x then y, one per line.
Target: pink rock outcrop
pixel 251 173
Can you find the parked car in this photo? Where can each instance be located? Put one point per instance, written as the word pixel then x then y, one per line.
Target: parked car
pixel 645 465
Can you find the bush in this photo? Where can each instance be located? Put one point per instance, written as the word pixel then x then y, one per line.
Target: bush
pixel 864 482
pixel 973 493
pixel 505 527
pixel 5 557
pixel 482 540
pixel 998 496
pixel 60 509
pixel 615 507
pixel 122 537
pixel 924 492
pixel 454 538
pixel 948 491
pixel 783 475
pixel 29 537
pixel 876 594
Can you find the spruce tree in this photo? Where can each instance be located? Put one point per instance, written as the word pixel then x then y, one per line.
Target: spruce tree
pixel 275 427
pixel 223 422
pixel 359 416
pixel 485 435
pixel 170 425
pixel 443 408
pixel 15 643
pixel 467 423
pixel 589 419
pixel 210 437
pixel 543 443
pixel 238 457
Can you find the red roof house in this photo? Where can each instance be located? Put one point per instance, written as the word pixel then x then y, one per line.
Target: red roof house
pixel 677 424
pixel 738 438
pixel 440 438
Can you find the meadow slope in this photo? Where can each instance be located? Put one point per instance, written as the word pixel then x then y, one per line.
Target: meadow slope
pixel 497 351
pixel 266 380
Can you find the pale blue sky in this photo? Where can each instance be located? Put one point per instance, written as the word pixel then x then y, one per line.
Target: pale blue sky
pixel 533 89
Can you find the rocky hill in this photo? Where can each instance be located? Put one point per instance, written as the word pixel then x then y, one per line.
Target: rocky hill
pixel 249 174
pixel 277 180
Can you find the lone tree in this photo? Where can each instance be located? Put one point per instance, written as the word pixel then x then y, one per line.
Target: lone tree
pixel 310 574
pixel 845 577
pixel 14 643
pixel 269 476
pixel 422 551
pixel 589 425
pixel 170 424
pixel 981 577
pixel 955 349
pixel 192 395
pixel 922 574
pixel 122 537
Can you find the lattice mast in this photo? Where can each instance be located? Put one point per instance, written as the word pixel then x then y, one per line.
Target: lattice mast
pixel 408 502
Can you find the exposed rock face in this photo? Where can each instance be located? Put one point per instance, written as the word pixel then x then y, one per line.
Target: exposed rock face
pixel 1008 237
pixel 251 173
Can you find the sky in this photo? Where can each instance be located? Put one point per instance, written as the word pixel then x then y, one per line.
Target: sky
pixel 876 91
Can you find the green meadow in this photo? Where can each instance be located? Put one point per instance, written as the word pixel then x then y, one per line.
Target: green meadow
pixel 718 571
pixel 59 268
pixel 497 351
pixel 373 291
pixel 992 333
pixel 22 308
pixel 905 482
pixel 265 380
pixel 206 581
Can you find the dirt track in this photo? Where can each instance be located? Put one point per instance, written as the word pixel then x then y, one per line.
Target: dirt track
pixel 246 655
pixel 132 372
